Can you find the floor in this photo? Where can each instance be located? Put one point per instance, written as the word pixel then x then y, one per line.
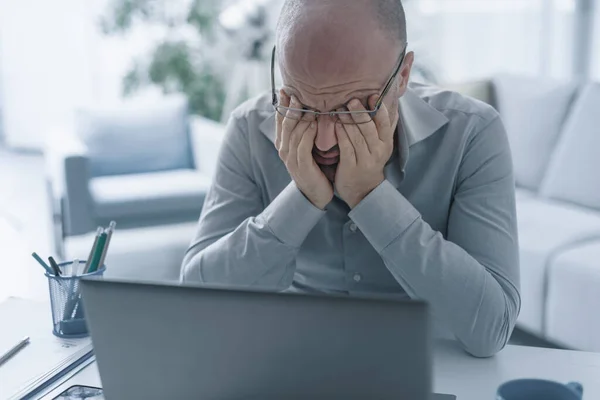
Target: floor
pixel 25 226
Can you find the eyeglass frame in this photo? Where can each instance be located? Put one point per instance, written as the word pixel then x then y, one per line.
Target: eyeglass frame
pixel 372 113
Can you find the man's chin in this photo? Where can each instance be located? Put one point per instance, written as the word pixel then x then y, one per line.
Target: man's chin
pixel 329 171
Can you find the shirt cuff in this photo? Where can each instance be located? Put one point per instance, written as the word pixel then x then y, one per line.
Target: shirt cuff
pixel 383 215
pixel 291 216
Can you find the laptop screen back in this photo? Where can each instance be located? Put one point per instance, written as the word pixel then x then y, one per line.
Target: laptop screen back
pixel 159 341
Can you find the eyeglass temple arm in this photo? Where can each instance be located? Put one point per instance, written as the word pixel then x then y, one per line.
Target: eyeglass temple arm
pixel 387 87
pixel 273 94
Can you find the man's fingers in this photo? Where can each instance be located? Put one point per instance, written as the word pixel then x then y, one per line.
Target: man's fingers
pixel 284 143
pixel 368 128
pixel 292 117
pixel 295 111
pixel 347 153
pixel 290 122
pixel 360 115
pixel 357 139
pixel 298 133
pixel 284 101
pixel 305 147
pixel 284 98
pixel 295 136
pixel 287 127
pixel 292 156
pixel 382 121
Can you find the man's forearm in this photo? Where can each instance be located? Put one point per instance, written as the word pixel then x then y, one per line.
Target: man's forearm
pixel 261 251
pixel 478 303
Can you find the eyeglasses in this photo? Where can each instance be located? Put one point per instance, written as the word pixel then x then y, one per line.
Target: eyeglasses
pixel 299 114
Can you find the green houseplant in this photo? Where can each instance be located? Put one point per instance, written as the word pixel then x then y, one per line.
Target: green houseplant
pixel 177 63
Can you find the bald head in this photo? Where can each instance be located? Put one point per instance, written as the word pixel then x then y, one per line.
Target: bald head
pixel 389 14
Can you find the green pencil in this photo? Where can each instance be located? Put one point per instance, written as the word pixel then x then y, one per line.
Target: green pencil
pixel 88 260
pixel 98 253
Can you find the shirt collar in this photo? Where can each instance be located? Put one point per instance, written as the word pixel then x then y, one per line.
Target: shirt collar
pixel 419 119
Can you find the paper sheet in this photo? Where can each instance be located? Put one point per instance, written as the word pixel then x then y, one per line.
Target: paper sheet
pixel 44 357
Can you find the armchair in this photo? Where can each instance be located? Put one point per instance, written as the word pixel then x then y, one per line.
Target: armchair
pixel 138 166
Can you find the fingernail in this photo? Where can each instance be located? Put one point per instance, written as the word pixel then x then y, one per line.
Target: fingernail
pixel 313 125
pixel 355 103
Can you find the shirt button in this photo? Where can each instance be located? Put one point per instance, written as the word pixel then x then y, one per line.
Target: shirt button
pixel 357 277
pixel 353 227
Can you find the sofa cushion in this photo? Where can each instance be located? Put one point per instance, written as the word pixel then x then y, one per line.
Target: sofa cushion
pixel 533 111
pixel 546 228
pixel 151 194
pixel 137 138
pixel 574 297
pixel 574 170
pixel 523 194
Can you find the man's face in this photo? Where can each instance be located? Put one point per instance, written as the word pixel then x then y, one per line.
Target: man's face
pixel 325 73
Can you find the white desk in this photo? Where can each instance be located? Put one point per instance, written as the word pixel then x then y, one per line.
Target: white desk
pixel 470 378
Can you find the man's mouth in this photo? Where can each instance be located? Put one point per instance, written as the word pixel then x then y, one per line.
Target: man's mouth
pixel 329 159
pixel 329 171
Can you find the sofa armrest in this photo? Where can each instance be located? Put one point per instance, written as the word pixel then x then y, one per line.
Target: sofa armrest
pixel 480 90
pixel 68 173
pixel 207 136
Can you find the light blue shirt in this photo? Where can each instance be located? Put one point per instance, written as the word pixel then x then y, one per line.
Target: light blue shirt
pixel 442 227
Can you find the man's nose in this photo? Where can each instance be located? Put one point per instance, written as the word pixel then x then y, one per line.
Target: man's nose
pixel 326 138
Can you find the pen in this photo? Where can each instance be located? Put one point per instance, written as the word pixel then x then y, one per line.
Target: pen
pixel 42 263
pixel 54 266
pixel 14 350
pixel 75 267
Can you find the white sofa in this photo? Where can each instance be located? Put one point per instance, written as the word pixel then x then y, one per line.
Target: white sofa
pixel 554 131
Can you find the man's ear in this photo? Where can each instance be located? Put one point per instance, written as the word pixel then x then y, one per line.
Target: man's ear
pixel 404 74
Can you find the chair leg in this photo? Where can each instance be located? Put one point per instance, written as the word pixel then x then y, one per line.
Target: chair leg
pixel 57 223
pixel 59 244
pixel 59 233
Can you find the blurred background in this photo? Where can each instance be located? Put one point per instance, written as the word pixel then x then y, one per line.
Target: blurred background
pixel 114 110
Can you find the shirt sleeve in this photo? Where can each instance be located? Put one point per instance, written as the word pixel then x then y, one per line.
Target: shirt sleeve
pixel 239 241
pixel 470 278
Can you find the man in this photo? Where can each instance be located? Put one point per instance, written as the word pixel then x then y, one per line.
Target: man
pixel 323 187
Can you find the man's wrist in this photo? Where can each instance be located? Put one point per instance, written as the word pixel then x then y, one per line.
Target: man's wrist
pixel 320 203
pixel 383 215
pixel 291 216
pixel 317 201
pixel 358 198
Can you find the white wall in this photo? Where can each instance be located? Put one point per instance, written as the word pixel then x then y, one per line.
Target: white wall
pixel 474 39
pixel 54 60
pixel 595 70
pixel 45 66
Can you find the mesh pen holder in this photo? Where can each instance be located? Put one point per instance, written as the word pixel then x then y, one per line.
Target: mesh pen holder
pixel 68 319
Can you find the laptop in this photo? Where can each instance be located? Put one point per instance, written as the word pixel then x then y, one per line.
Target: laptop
pixel 160 341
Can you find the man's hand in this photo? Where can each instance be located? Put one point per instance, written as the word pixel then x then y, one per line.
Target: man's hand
pixel 365 148
pixel 295 141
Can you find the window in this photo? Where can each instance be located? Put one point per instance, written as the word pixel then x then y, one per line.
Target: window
pixel 474 39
